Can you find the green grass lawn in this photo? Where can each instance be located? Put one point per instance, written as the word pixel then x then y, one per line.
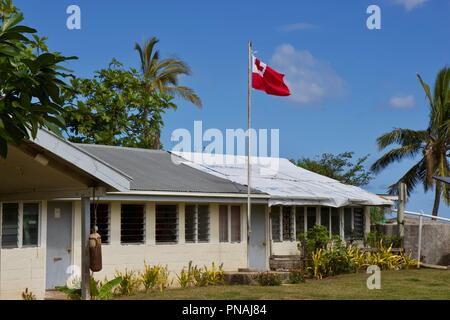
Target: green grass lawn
pixel 405 284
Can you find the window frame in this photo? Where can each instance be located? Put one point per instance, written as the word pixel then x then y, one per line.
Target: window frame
pixel 229 224
pixel 300 228
pixel 144 225
pixel 196 223
pixel 177 224
pixel 20 225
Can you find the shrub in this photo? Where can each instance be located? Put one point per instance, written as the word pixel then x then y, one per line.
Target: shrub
pixel 129 284
pixel 387 260
pixel 317 238
pixel 154 276
pixel 296 276
pixel 99 290
pixel 337 260
pixel 104 290
pixel 186 277
pixel 28 295
pixel 214 275
pixel 208 276
pixel 356 256
pixel 374 239
pixel 162 281
pixel 268 279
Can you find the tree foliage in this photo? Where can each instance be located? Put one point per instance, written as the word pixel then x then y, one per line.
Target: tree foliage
pixel 31 83
pixel 339 167
pixel 431 145
pixel 162 76
pixel 109 109
pixel 124 107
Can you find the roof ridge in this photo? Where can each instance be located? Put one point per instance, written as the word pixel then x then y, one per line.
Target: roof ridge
pixel 104 146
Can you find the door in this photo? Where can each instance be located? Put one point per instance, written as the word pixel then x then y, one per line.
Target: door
pixel 257 245
pixel 59 243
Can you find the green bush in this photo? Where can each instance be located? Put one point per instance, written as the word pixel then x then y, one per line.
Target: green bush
pixel 99 290
pixel 296 276
pixel 186 277
pixel 154 276
pixel 208 276
pixel 375 239
pixel 130 283
pixel 316 238
pixel 268 279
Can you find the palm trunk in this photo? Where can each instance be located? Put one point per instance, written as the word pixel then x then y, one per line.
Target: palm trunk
pixel 145 129
pixel 437 198
pixel 157 140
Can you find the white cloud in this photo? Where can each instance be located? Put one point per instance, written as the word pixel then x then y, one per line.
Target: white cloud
pixel 402 102
pixel 309 79
pixel 297 26
pixel 410 4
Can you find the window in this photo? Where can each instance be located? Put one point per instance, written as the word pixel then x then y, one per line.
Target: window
pixel 235 223
pixel 166 224
pixel 311 217
pixel 223 223
pixel 335 223
pixel 358 223
pixel 10 225
pixel 102 220
pixel 203 223
pixel 190 223
pixel 196 223
pixel 132 224
pixel 348 224
pixel 275 219
pixel 20 215
pixel 288 224
pixel 299 220
pixel 230 223
pixel 30 224
pixel 325 217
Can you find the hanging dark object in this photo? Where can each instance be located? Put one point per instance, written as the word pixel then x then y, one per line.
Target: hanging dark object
pixel 95 251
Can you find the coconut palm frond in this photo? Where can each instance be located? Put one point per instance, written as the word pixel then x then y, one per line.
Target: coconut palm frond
pixel 162 76
pixel 395 155
pixel 186 93
pixel 402 137
pixel 427 90
pixel 411 178
pixel 433 143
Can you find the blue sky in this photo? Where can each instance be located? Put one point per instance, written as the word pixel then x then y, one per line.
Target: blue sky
pixel 349 84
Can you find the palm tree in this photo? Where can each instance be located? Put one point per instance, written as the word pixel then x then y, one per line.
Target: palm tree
pixel 161 76
pixel 431 144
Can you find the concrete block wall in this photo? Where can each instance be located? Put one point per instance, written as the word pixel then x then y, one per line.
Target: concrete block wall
pixel 435 241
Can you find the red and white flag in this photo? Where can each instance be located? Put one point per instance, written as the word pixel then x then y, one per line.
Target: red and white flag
pixel 266 79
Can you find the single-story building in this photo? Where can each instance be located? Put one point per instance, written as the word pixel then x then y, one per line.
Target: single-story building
pixel 158 207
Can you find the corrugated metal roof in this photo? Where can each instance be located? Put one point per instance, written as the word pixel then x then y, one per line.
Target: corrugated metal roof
pixel 155 170
pixel 286 183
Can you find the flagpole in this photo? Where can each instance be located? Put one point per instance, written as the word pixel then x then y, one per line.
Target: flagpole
pixel 249 207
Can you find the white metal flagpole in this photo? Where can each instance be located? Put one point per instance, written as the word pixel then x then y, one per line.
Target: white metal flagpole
pixel 249 205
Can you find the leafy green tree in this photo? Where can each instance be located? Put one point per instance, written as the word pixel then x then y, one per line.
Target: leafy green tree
pixel 431 144
pixel 161 76
pixel 107 109
pixel 339 167
pixel 30 84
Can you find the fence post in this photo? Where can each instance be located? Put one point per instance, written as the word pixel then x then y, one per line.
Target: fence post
pixel 419 246
pixel 401 210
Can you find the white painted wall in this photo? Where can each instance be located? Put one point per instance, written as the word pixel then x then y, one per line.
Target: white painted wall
pixel 25 267
pixel 118 257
